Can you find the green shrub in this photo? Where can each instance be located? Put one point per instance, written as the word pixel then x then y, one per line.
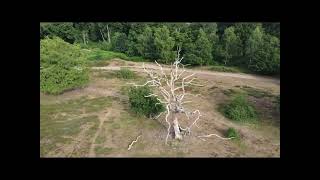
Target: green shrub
pixel 144 105
pixel 62 65
pixel 230 92
pixel 98 54
pixel 223 69
pixel 57 79
pixel 234 69
pixel 119 42
pixel 137 59
pixel 103 46
pixel 125 73
pixel 232 133
pixel 98 63
pixel 121 56
pixel 96 45
pixel 239 109
pixel 192 59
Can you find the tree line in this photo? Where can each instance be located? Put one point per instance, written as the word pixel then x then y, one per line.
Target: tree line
pixel 255 46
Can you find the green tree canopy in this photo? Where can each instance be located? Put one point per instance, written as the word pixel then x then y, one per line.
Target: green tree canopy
pixel 164 44
pixel 230 44
pixel 203 48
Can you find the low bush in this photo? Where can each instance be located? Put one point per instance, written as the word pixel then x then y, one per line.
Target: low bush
pixel 57 79
pixel 223 69
pixel 230 92
pixel 98 63
pixel 125 73
pixel 232 133
pixel 98 54
pixel 239 109
pixel 137 59
pixel 142 105
pixel 62 66
pixel 96 45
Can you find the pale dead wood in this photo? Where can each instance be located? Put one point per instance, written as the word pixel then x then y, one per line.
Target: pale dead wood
pixel 209 135
pixel 130 146
pixel 171 86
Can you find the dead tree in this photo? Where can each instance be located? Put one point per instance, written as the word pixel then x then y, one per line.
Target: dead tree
pixel 172 93
pixel 102 35
pixel 109 39
pixel 85 37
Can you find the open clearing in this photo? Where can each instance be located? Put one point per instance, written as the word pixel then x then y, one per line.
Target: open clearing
pixel 95 121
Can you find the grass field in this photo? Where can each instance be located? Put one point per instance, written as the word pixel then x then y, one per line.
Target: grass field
pixel 96 121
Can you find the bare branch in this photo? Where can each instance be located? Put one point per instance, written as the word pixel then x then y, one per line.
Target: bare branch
pixel 196 118
pixel 150 95
pixel 190 81
pixel 200 85
pixel 189 76
pixel 151 81
pixel 183 85
pixel 157 104
pixel 161 101
pixel 185 102
pixel 133 143
pixel 163 90
pixel 161 70
pixel 181 73
pixel 158 115
pixel 177 88
pixel 209 135
pixel 168 112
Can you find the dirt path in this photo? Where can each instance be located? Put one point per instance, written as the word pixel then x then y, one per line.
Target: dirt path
pixel 76 144
pixel 200 73
pixel 102 118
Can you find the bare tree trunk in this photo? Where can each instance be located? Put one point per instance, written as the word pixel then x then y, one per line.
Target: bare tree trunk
pixel 84 37
pixel 87 39
pixel 177 133
pixel 109 40
pixel 102 35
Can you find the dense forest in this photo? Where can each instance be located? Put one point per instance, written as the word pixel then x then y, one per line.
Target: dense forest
pixel 254 46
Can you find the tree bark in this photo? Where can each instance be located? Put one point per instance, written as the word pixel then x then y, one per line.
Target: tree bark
pixel 102 35
pixel 109 40
pixel 84 37
pixel 177 133
pixel 87 39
